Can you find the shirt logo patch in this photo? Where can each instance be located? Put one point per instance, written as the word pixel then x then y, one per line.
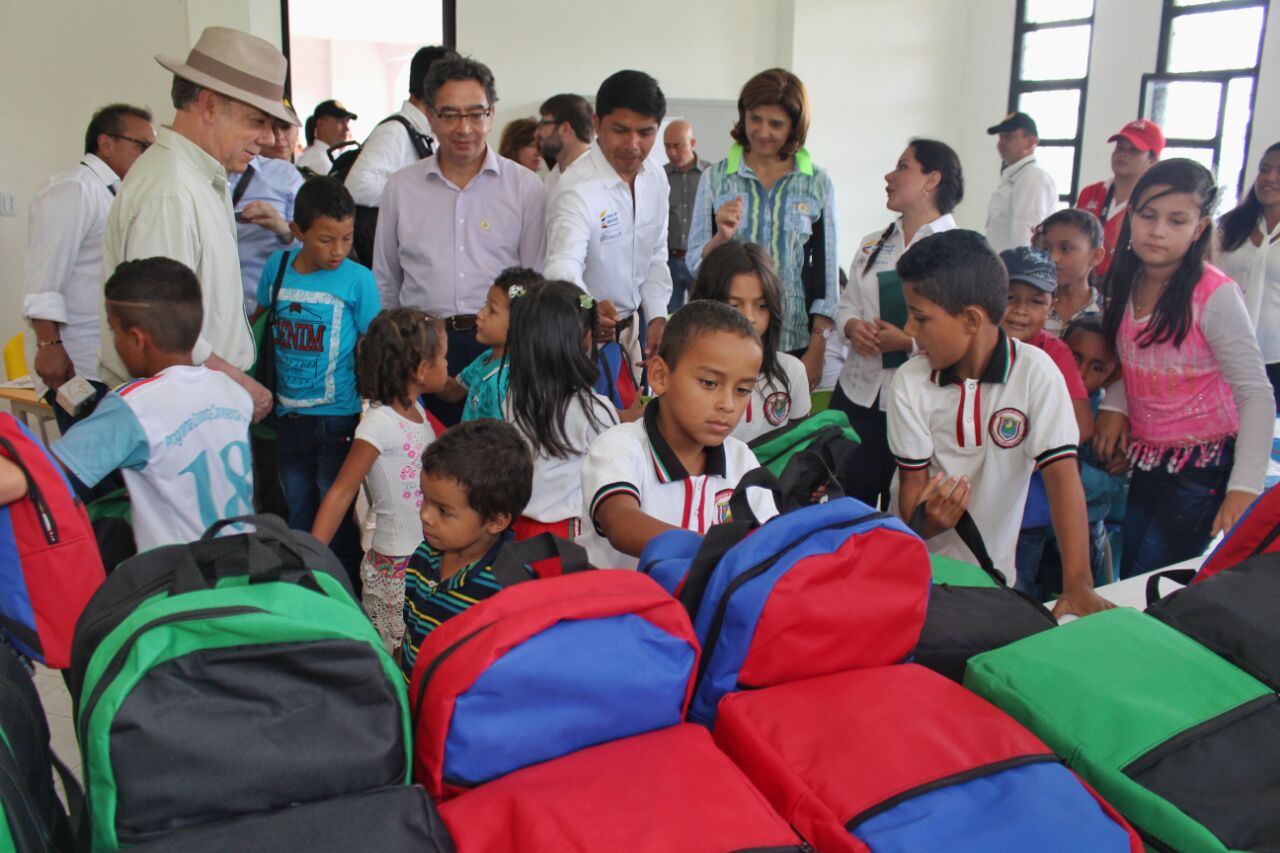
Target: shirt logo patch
pixel 1008 427
pixel 485 225
pixel 722 505
pixel 610 226
pixel 776 407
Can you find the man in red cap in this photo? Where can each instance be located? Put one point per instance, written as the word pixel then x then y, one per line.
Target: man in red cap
pixel 1138 146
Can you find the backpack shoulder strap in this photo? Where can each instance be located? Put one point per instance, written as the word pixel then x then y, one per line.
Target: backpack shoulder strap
pixel 421 142
pixel 242 185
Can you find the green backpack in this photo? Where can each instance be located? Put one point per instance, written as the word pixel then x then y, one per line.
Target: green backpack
pixel 229 677
pixel 774 449
pixel 1185 745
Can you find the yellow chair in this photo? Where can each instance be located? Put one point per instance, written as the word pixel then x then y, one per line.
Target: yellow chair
pixel 15 358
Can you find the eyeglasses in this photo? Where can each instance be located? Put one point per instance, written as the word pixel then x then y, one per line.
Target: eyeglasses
pixel 546 121
pixel 475 118
pixel 142 144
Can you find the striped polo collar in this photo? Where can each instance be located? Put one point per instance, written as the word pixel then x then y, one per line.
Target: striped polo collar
pixel 997 369
pixel 665 462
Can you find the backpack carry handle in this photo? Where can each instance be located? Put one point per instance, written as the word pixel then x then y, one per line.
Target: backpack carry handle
pixel 811 469
pixel 757 478
pixel 508 566
pixel 1182 576
pixel 269 556
pixel 967 529
pixel 719 539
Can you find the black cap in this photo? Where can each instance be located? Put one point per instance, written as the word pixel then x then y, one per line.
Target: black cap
pixel 333 108
pixel 1031 266
pixel 1015 121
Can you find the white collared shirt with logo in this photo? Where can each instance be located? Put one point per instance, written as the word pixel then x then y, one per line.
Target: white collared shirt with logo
pixel 606 241
pixel 863 376
pixel 1026 195
pixel 771 405
pixel 634 459
pixel 995 431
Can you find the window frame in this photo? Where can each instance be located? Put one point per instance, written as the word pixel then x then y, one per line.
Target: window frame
pixel 1018 86
pixel 1172 11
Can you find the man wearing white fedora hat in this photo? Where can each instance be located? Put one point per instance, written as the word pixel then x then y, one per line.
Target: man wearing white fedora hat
pixel 175 201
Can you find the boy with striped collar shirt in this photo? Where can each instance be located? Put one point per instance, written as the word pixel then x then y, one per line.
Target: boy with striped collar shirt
pixel 977 412
pixel 677 467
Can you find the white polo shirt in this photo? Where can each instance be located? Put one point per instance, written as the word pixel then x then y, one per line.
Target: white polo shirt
pixel 1026 195
pixel 995 430
pixel 635 459
pixel 609 243
pixel 771 405
pixel 863 377
pixel 557 482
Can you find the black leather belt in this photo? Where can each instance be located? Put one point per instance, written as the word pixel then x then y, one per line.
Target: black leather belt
pixel 460 322
pixel 679 253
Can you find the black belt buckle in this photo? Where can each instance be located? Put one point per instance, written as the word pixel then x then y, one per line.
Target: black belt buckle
pixel 460 322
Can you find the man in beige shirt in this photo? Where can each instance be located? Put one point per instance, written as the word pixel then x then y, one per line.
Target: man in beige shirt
pixel 174 202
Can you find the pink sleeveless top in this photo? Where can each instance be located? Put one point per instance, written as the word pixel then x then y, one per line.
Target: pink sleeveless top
pixel 1178 398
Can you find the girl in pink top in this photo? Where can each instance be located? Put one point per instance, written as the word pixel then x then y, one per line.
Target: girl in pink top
pixel 1193 416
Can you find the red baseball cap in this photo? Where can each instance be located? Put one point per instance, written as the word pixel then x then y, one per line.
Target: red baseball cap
pixel 1144 134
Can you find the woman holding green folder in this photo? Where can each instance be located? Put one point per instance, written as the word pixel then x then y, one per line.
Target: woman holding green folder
pixel 923 188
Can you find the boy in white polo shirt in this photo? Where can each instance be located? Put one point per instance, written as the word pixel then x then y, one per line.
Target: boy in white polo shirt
pixel 977 412
pixel 678 466
pixel 180 434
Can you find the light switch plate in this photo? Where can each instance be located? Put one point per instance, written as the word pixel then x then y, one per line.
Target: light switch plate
pixel 8 204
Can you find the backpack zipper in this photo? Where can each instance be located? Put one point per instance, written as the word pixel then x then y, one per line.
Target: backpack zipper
pixel 435 664
pixel 122 653
pixel 717 621
pixel 48 526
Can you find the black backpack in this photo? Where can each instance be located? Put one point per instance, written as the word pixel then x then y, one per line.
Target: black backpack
pixel 367 217
pixel 31 816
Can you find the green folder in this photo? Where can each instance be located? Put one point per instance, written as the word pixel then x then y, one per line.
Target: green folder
pixel 893 309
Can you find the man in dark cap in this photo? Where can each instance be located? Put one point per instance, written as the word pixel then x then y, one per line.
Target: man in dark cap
pixel 1027 192
pixel 332 126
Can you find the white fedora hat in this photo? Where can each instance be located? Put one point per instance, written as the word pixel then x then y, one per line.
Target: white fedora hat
pixel 238 65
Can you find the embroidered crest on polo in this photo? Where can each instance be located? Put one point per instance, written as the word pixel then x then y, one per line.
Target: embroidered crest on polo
pixel 1008 427
pixel 776 407
pixel 722 505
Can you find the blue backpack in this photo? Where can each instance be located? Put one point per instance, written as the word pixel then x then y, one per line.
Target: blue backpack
pixel 824 588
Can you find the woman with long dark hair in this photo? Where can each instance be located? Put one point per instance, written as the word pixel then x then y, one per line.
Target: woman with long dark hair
pixel 923 188
pixel 1247 238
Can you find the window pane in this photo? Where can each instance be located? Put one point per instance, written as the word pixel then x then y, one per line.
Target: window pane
pixel 1194 2
pixel 1210 41
pixel 1204 156
pixel 1057 54
pixel 1235 127
pixel 1058 160
pixel 1045 11
pixel 1184 109
pixel 1056 113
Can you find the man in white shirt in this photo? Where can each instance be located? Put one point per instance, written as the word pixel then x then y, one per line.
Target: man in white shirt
pixel 1027 193
pixel 62 283
pixel 175 202
pixel 390 146
pixel 564 134
pixel 332 127
pixel 607 219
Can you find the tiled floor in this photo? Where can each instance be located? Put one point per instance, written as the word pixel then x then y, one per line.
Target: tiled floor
pixel 57 708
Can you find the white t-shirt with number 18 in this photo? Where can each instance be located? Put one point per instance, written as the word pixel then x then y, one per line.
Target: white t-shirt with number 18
pixel 181 439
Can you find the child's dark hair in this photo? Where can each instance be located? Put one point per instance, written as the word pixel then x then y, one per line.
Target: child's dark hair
pixel 512 276
pixel 322 196
pixel 1238 223
pixel 1081 220
pixel 697 318
pixel 1090 324
pixel 716 274
pixel 161 296
pixel 491 461
pixel 955 269
pixel 1171 317
pixel 398 340
pixel 548 369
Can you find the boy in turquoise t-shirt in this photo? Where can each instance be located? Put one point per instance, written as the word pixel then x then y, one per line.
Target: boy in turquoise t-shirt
pixel 323 303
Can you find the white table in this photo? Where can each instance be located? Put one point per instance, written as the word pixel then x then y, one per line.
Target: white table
pixel 1132 592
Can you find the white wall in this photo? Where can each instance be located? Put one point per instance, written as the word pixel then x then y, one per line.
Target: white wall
pixel 62 59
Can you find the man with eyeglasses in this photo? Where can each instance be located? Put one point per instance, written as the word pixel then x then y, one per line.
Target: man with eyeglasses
pixel 450 223
pixel 62 283
pixel 564 134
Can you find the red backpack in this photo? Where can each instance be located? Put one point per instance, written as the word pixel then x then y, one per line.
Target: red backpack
pixel 49 561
